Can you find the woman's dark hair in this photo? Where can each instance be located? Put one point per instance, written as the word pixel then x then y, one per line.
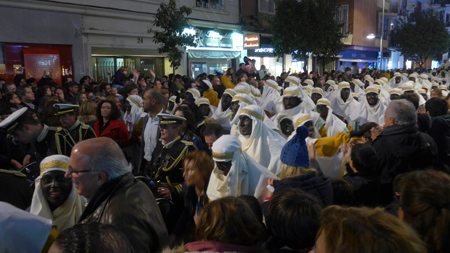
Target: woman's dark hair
pixel 41 90
pixel 93 237
pixel 229 72
pixel 253 203
pixel 343 192
pixel 195 111
pixel 425 201
pixel 191 125
pixel 364 158
pixel 18 78
pixel 48 116
pixel 294 218
pixel 115 113
pixel 364 130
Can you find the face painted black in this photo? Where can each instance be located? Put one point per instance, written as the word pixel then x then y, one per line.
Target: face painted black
pixel 56 188
pixel 345 93
pixel 409 92
pixel 394 96
pixel 352 86
pixel 425 96
pixel 224 167
pixel 291 102
pixel 398 79
pixel 171 105
pixel 245 125
pixel 287 127
pixel 366 84
pixel 372 98
pixel 326 86
pixel 234 108
pixel 310 126
pixel 204 109
pixel 189 97
pixel 323 110
pixel 226 101
pixel 315 97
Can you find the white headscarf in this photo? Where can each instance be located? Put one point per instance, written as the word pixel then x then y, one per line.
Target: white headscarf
pixel 333 124
pixel 205 101
pixel 69 212
pixel 195 93
pixel 270 95
pixel 370 113
pixel 246 176
pixel 305 106
pixel 136 111
pixel 348 109
pixel 300 120
pixel 279 118
pixel 223 117
pixel 329 93
pixel 392 83
pixel 22 231
pixel 264 145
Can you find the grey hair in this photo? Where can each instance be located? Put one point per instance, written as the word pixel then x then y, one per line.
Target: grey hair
pixel 110 160
pixel 402 112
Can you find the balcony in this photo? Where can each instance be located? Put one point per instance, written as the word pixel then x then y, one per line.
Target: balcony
pixel 387 4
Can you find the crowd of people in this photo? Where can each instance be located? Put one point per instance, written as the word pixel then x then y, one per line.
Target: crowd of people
pixel 239 162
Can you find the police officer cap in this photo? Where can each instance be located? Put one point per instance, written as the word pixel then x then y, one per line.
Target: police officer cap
pixel 169 119
pixel 65 108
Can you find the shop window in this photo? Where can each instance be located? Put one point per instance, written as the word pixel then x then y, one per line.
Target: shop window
pixel 267 6
pixel 210 4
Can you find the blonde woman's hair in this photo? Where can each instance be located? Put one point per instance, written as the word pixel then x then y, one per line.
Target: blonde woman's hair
pixel 288 171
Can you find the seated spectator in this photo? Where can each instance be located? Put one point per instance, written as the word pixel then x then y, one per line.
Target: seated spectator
pixel 425 205
pixel 227 224
pixel 55 197
pixel 90 238
pixel 294 219
pixel 109 125
pixel 364 230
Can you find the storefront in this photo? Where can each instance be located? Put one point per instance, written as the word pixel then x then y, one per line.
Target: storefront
pixel 358 58
pixel 217 50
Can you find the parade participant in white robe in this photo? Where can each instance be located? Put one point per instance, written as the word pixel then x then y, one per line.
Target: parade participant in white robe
pixel 344 105
pixel 405 77
pixel 309 83
pixel 414 78
pixel 303 119
pixel 307 90
pixel 408 87
pixel 222 115
pixel 372 108
pixel 355 96
pixel 133 114
pixel 368 81
pixel 423 79
pixel 383 94
pixel 396 81
pixel 331 124
pixel 271 94
pixel 393 94
pixel 423 93
pixel 285 125
pixel 294 101
pixel 245 88
pixel 195 93
pixel 172 104
pixel 307 101
pixel 357 87
pixel 55 197
pixel 444 90
pixel 328 88
pixel 235 172
pixel 316 94
pixel 205 107
pixel 260 142
pixel 293 81
pixel 239 101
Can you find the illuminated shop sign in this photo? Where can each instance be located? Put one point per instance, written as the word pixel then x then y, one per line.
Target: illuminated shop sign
pixel 264 50
pixel 251 41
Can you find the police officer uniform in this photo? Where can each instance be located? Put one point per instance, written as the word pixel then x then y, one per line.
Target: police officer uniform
pixel 79 130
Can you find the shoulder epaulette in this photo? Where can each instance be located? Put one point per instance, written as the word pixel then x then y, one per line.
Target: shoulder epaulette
pixel 188 143
pixel 13 172
pixel 84 126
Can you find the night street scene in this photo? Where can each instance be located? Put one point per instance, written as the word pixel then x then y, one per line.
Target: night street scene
pixel 272 126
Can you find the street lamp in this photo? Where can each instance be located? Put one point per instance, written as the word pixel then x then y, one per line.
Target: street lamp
pixel 371 36
pixel 381 37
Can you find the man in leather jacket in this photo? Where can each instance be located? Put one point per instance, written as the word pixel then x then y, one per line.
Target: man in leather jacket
pixel 101 174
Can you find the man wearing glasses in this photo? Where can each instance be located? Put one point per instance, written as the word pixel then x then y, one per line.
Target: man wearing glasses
pixel 102 175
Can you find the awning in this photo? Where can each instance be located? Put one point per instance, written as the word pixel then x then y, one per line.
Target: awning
pixel 216 54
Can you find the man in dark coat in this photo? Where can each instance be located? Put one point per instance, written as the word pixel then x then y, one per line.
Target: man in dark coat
pixel 401 147
pixel 440 130
pixel 102 175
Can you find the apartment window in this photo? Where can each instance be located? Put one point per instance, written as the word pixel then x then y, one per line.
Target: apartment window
pixel 342 16
pixel 267 6
pixel 210 4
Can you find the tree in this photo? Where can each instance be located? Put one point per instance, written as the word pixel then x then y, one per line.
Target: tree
pixel 172 21
pixel 307 26
pixel 421 36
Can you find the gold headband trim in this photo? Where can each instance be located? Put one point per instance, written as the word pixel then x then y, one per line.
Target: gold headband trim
pixel 408 88
pixel 330 82
pixel 344 85
pixel 54 164
pixel 282 117
pixel 204 101
pixel 371 89
pixel 242 99
pixel 301 120
pixel 135 102
pixel 293 93
pixel 194 93
pixel 322 102
pixel 243 91
pixel 292 81
pixel 226 156
pixel 252 113
pixel 271 85
pixel 318 91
